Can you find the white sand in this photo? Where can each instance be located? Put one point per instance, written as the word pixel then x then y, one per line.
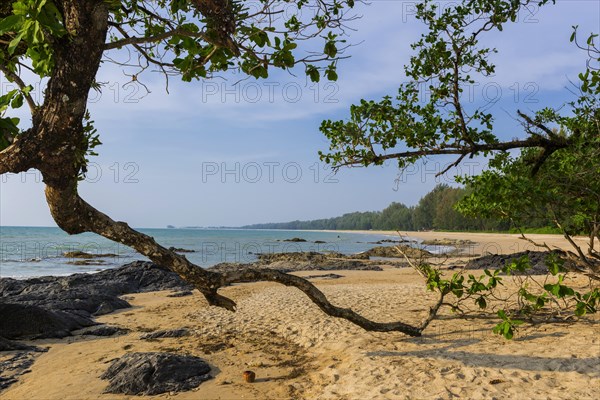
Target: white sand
pixel 297 352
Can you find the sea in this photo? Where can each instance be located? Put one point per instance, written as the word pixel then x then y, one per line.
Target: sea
pixel 27 252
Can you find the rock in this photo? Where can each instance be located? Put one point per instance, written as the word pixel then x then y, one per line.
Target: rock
pixel 448 242
pixel 392 252
pixel 175 333
pixel 311 261
pixel 86 262
pixel 319 242
pixel 324 276
pixel 103 330
pixel 13 367
pixel 53 306
pixel 30 321
pixel 180 250
pixel 154 373
pixel 296 239
pixel 181 294
pixel 498 261
pixel 9 345
pixel 81 254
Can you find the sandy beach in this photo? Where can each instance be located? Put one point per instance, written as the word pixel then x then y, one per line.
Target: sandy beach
pixel 298 352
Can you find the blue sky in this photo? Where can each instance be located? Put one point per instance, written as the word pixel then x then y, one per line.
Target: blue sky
pixel 211 153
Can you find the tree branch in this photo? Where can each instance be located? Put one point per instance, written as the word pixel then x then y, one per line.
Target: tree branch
pixel 74 215
pixel 471 149
pixel 128 40
pixel 13 77
pixel 19 156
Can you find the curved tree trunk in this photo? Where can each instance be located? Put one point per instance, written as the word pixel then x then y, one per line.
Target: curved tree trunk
pixel 56 145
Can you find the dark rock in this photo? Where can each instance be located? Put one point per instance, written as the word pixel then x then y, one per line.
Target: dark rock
pixel 498 261
pixel 30 321
pixel 296 239
pixel 103 330
pixel 448 242
pixel 6 382
pixel 58 305
pixel 9 345
pixel 392 252
pixel 180 250
pixel 84 255
pixel 324 276
pixel 155 373
pixel 12 368
pixel 181 294
pixel 86 262
pixel 319 242
pixel 305 261
pixel 174 333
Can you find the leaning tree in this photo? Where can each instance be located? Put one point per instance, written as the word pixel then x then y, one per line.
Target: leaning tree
pixel 556 174
pixel 553 172
pixel 64 42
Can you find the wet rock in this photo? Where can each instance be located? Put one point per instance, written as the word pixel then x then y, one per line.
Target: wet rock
pixel 180 250
pixel 155 373
pixel 296 239
pixel 84 255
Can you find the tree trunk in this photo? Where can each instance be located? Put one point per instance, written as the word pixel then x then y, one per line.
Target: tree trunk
pixel 56 146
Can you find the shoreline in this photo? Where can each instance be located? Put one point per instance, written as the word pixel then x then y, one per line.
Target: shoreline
pixel 297 352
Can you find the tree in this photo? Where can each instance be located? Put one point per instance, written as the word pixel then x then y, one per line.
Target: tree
pixel 557 170
pixel 65 41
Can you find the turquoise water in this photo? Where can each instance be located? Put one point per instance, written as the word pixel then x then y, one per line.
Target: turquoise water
pixel 30 252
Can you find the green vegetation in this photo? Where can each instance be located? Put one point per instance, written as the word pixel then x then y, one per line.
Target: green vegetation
pixel 436 210
pixel 553 176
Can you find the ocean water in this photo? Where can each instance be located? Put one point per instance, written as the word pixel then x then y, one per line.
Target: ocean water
pixel 30 252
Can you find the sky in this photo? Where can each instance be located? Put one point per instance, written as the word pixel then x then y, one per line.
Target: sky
pixel 212 153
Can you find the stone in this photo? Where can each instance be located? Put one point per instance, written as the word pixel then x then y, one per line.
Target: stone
pixel 174 333
pixel 155 373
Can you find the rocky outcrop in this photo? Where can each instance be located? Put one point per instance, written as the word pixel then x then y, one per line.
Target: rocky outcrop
pixel 296 239
pixel 449 242
pixel 174 333
pixel 498 261
pixel 305 261
pixel 155 373
pixel 181 250
pixel 87 256
pixel 50 307
pixel 392 252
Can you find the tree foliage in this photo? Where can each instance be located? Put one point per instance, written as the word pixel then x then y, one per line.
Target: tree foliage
pixel 556 174
pixel 64 43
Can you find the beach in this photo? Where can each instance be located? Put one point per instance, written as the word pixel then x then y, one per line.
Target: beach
pixel 297 351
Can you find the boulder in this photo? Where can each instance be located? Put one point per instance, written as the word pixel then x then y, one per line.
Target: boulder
pixel 53 306
pixel 498 261
pixel 155 373
pixel 392 252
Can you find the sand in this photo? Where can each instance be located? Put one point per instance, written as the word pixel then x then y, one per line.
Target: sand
pixel 298 352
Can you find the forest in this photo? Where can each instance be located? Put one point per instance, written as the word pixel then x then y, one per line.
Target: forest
pixel 437 210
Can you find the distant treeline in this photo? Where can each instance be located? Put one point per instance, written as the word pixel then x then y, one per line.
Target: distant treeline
pixel 435 210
